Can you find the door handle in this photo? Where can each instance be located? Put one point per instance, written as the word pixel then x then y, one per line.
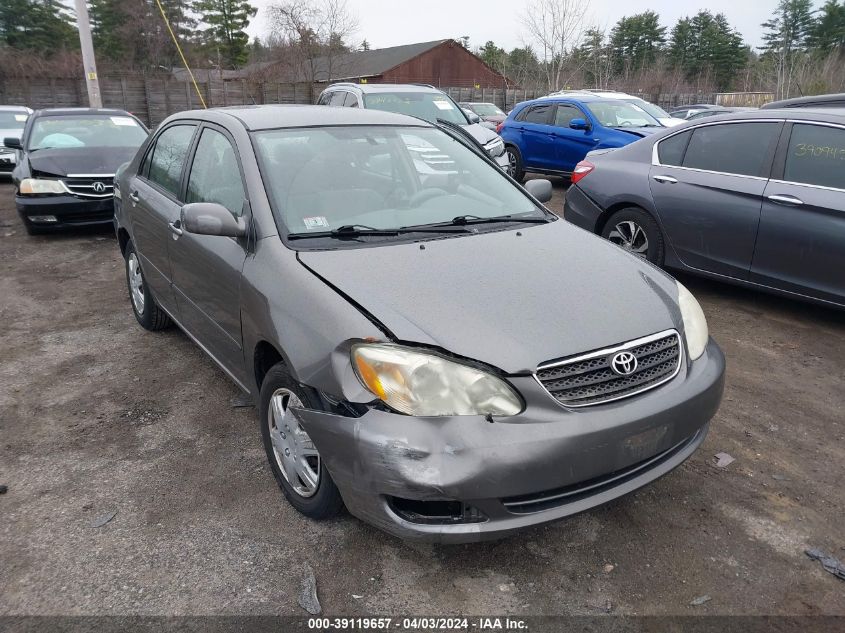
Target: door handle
pixel 666 179
pixel 786 199
pixel 175 228
pixel 133 196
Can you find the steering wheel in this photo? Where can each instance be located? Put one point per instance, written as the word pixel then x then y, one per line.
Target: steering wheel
pixel 426 194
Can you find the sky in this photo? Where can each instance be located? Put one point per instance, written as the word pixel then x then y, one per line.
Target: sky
pixel 393 22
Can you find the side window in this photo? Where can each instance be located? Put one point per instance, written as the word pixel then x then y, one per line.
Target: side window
pixel 215 176
pixel 351 100
pixel 732 148
pixel 538 114
pixel 337 98
pixel 565 113
pixel 816 156
pixel 168 157
pixel 671 151
pixel 324 98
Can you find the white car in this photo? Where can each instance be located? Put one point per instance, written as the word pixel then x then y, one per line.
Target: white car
pixel 655 111
pixel 12 120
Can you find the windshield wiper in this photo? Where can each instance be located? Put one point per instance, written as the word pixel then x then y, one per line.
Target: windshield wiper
pixel 463 220
pixel 360 230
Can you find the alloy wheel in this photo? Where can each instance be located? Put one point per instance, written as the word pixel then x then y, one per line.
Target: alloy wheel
pixel 295 454
pixel 631 237
pixel 136 282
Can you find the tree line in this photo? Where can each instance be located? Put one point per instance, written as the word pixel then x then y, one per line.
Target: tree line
pixel 802 50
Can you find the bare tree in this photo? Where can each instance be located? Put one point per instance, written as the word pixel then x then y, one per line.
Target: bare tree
pixel 313 35
pixel 555 27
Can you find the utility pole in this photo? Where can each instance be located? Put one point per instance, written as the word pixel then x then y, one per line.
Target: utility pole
pixel 88 61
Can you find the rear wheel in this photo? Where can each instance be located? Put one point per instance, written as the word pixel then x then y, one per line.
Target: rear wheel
pixel 635 231
pixel 147 312
pixel 294 459
pixel 515 167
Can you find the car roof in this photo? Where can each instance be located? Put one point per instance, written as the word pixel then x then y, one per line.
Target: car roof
pixel 830 100
pixel 80 111
pixel 820 115
pixel 376 88
pixel 14 108
pixel 586 97
pixel 268 117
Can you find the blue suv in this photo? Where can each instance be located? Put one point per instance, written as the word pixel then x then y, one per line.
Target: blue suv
pixel 552 134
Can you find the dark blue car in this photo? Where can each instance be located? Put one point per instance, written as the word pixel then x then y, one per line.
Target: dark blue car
pixel 552 134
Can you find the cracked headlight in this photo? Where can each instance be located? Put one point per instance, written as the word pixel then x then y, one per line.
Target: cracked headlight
pixel 425 384
pixel 37 186
pixel 695 325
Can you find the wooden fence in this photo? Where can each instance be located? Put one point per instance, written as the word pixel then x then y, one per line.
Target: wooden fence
pixel 152 99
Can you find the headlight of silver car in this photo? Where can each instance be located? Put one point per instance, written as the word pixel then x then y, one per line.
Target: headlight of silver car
pixel 37 186
pixel 695 324
pixel 495 148
pixel 425 384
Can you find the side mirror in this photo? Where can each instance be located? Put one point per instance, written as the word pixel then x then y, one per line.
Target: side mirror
pixel 210 218
pixel 579 124
pixel 12 142
pixel 472 116
pixel 540 189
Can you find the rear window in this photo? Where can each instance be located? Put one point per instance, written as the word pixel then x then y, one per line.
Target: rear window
pixel 671 151
pixel 535 114
pixel 732 148
pixel 816 156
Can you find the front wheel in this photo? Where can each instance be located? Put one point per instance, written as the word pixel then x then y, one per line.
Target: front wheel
pixel 636 232
pixel 293 458
pixel 147 312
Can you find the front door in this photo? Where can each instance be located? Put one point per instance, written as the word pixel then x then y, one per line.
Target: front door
pixel 538 141
pixel 571 146
pixel 207 268
pixel 801 243
pixel 153 196
pixel 708 187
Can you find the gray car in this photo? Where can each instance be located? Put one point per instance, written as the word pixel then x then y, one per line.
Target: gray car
pixel 419 100
pixel 426 344
pixel 756 198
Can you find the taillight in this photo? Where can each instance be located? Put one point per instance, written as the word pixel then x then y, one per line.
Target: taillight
pixel 499 127
pixel 582 169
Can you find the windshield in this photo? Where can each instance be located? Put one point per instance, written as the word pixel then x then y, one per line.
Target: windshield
pixel 12 120
pixel 486 109
pixel 424 105
pixel 656 111
pixel 321 179
pixel 86 131
pixel 621 114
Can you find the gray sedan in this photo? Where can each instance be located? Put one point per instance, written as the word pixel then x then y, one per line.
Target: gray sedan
pixel 755 198
pixel 426 344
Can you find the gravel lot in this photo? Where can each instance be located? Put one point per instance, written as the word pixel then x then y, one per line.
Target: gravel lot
pixel 99 416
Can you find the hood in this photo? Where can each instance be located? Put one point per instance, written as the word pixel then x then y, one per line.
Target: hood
pixel 507 300
pixel 640 132
pixel 79 160
pixel 480 133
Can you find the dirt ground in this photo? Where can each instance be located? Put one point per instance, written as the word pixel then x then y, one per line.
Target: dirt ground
pixel 99 416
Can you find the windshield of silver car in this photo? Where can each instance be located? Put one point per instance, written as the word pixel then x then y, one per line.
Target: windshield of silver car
pixel 321 179
pixel 55 132
pixel 621 114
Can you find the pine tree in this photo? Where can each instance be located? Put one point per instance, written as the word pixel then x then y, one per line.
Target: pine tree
pixel 706 48
pixel 226 20
pixel 827 33
pixel 636 41
pixel 785 40
pixel 40 25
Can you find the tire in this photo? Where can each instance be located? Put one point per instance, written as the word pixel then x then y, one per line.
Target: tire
pixel 318 499
pixel 516 169
pixel 147 312
pixel 635 231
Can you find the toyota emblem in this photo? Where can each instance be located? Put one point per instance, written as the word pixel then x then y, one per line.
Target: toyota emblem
pixel 624 363
pixel 99 187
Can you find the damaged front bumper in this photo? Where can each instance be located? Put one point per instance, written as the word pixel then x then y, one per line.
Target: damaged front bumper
pixel 463 478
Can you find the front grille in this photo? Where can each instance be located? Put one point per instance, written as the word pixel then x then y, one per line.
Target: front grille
pixel 86 187
pixel 588 379
pixel 548 499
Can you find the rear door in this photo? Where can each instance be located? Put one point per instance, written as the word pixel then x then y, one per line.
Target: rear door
pixel 207 268
pixel 155 207
pixel 538 137
pixel 707 184
pixel 570 145
pixel 801 242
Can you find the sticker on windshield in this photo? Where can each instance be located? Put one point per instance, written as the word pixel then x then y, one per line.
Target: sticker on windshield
pixel 20 117
pixel 123 120
pixel 443 105
pixel 316 222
